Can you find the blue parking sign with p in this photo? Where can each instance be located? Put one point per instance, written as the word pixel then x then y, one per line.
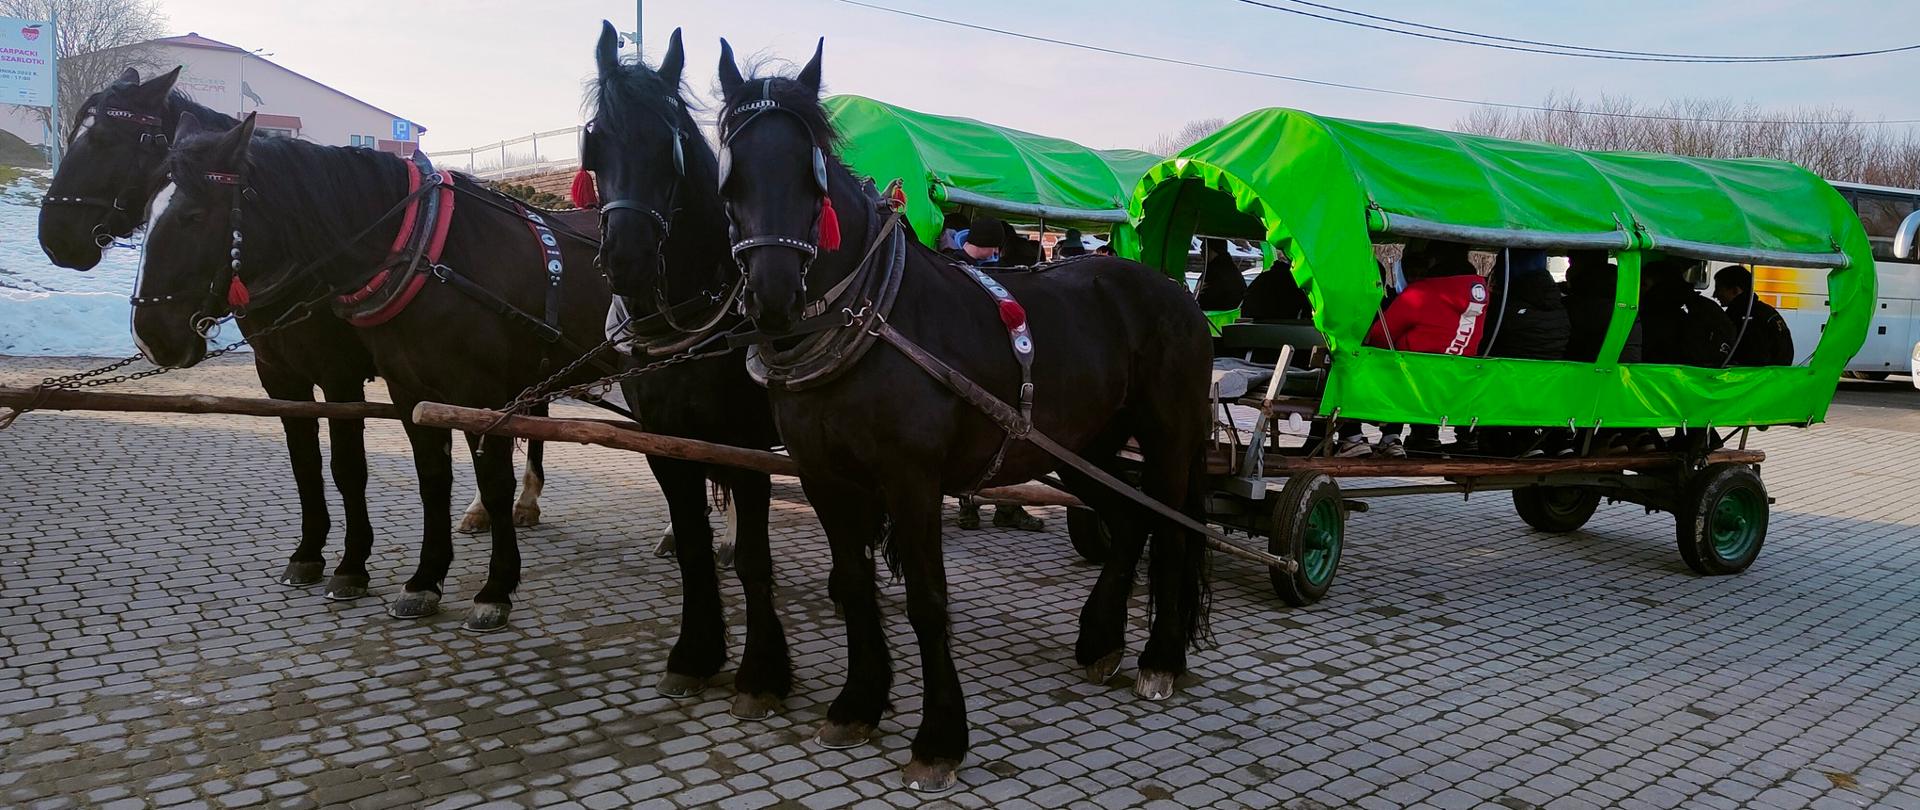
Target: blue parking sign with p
pixel 402 129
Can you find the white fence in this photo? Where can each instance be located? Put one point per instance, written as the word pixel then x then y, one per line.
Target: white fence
pixel 538 151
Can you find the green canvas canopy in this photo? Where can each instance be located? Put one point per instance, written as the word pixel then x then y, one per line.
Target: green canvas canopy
pixel 948 162
pixel 1324 190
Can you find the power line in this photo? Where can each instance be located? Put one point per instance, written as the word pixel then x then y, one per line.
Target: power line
pixel 1323 83
pixel 1560 49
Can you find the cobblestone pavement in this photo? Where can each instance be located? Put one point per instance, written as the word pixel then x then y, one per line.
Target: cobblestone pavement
pixel 1461 660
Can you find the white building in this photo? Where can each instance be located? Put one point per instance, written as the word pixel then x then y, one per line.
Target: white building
pixel 236 81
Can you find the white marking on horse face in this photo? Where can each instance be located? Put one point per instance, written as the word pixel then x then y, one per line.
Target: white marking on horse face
pixel 86 125
pixel 161 202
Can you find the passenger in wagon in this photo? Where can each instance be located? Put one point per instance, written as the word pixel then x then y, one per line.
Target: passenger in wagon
pixel 1221 287
pixel 1069 245
pixel 1761 336
pixel 1683 327
pixel 1274 296
pixel 1591 292
pixel 1530 322
pixel 1442 311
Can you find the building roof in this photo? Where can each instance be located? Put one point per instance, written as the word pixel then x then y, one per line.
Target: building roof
pixel 193 39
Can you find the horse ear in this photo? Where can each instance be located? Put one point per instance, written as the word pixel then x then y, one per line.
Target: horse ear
pixel 128 76
pixel 730 79
pixel 233 147
pixel 810 75
pixel 673 62
pixel 188 127
pixel 159 86
pixel 607 54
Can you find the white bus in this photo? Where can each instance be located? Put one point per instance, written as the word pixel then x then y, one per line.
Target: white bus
pixel 1801 295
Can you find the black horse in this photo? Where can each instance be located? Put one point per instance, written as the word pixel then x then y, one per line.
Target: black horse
pixel 115 149
pixel 664 247
pixel 1122 353
pixel 289 219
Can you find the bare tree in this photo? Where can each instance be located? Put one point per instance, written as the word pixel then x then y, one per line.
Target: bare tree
pixel 98 40
pixel 1171 143
pixel 1827 140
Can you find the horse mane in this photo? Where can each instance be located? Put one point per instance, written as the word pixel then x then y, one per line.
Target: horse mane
pixel 635 94
pixel 308 199
pixel 209 117
pixel 792 96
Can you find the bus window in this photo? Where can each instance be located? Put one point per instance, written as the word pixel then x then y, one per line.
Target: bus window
pixel 1881 213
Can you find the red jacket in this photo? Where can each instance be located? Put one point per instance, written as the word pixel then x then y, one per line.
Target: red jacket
pixel 1442 315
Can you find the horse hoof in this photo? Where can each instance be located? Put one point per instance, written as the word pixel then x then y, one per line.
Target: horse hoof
pixel 680 687
pixel 486 617
pixel 1099 671
pixel 933 778
pixel 346 588
pixel 414 605
pixel 302 573
pixel 474 522
pixel 524 516
pixel 723 555
pixel 1154 686
pixel 835 736
pixel 664 549
pixel 754 707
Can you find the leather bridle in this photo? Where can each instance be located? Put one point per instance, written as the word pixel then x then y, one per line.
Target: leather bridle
pixel 219 296
pixel 125 201
pixel 738 119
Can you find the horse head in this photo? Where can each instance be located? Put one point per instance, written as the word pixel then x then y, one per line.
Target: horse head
pixel 778 179
pixel 192 251
pixel 114 148
pixel 654 175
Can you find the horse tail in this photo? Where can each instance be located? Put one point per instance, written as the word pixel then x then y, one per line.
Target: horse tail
pixel 1197 561
pixel 883 548
pixel 719 495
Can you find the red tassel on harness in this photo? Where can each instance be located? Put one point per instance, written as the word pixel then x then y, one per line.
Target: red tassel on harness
pixel 829 225
pixel 237 294
pixel 583 192
pixel 1012 314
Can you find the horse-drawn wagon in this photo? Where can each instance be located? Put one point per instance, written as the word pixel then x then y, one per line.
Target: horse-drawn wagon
pixel 1325 192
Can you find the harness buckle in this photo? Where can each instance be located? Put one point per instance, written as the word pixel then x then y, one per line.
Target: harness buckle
pixel 440 272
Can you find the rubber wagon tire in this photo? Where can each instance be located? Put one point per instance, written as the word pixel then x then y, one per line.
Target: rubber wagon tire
pixel 1722 520
pixel 1556 509
pixel 1309 527
pixel 1088 534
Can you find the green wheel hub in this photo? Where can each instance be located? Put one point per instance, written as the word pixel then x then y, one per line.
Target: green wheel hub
pixel 1737 519
pixel 1320 542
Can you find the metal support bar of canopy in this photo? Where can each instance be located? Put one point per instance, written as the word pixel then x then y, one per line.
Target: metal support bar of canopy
pixel 1743 255
pixel 958 196
pixel 1402 225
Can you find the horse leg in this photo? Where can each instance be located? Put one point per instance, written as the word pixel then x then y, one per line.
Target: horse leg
pixel 303 451
pixel 474 520
pixel 1176 565
pixel 526 507
pixel 348 436
pixel 433 465
pixel 1103 619
pixel 702 647
pixel 851 521
pixel 941 742
pixel 766 671
pixel 493 470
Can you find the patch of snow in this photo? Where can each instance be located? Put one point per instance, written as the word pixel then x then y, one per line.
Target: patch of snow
pixel 53 311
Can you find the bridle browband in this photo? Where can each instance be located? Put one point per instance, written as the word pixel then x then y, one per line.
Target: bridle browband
pixel 737 122
pixel 153 133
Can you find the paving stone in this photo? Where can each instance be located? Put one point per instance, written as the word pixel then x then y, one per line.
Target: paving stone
pixel 145 653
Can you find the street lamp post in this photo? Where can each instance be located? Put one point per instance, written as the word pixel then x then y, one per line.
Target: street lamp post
pixel 262 52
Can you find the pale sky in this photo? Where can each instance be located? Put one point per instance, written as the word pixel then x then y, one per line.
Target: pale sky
pixel 477 71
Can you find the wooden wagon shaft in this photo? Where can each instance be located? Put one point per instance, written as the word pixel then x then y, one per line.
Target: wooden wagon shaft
pixel 610 434
pixel 68 400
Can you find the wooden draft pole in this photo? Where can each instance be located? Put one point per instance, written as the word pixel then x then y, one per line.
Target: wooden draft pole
pixel 607 433
pixel 56 399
